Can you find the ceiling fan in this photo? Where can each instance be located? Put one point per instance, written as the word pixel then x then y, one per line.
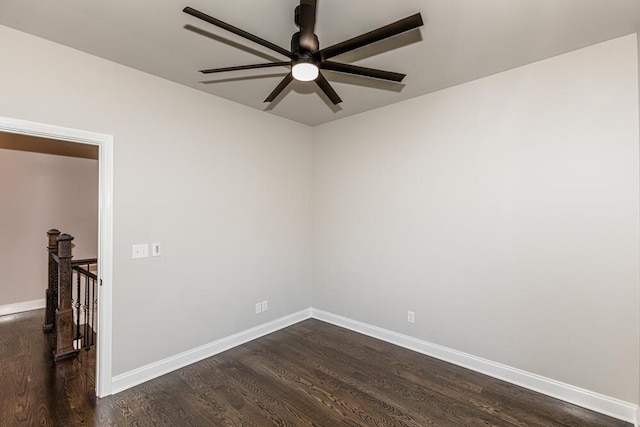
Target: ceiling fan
pixel 306 59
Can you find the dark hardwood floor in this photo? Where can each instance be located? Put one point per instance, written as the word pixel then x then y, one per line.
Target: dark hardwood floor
pixel 310 374
pixel 33 389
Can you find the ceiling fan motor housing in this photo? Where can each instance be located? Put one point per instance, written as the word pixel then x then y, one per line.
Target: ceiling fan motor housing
pixel 295 45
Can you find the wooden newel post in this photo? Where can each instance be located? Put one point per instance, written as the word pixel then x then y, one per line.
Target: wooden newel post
pixel 64 313
pixel 50 311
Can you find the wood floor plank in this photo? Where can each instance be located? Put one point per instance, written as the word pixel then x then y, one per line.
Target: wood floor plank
pixel 277 401
pixel 516 400
pixel 369 373
pixel 360 374
pixel 334 398
pixel 368 409
pixel 309 374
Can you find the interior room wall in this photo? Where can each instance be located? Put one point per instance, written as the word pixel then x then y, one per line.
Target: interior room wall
pixel 503 212
pixel 224 188
pixel 39 192
pixel 638 58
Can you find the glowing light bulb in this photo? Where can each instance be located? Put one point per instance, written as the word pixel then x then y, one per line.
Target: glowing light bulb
pixel 305 71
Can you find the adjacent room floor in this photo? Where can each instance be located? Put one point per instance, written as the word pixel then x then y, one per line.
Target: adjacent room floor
pixel 311 373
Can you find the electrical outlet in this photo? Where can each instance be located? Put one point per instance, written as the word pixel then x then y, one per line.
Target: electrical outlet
pixel 258 308
pixel 411 317
pixel 156 250
pixel 265 305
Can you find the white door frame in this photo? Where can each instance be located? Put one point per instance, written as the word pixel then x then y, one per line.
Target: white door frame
pixel 105 232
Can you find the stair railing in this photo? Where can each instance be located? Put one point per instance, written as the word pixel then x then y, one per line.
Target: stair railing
pixel 84 301
pixel 62 302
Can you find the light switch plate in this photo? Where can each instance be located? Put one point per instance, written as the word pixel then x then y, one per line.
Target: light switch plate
pixel 156 250
pixel 140 251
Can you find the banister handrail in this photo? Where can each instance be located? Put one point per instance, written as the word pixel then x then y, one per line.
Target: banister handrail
pixel 75 262
pixel 84 271
pixel 84 261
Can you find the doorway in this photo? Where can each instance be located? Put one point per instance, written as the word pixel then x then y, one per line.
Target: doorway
pixel 104 144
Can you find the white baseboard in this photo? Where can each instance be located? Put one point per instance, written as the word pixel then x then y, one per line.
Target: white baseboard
pixel 19 307
pixel 145 373
pixel 594 401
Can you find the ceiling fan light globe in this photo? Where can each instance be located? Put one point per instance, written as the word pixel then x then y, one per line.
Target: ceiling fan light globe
pixel 305 71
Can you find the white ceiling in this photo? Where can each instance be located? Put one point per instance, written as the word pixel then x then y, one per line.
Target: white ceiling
pixel 462 40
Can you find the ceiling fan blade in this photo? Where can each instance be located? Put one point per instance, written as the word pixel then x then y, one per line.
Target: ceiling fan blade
pixel 307 23
pixel 398 27
pixel 245 67
pixel 281 86
pixel 237 31
pixel 328 90
pixel 362 71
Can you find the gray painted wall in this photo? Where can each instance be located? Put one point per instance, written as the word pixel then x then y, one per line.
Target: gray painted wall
pixel 503 212
pixel 638 57
pixel 225 189
pixel 39 192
